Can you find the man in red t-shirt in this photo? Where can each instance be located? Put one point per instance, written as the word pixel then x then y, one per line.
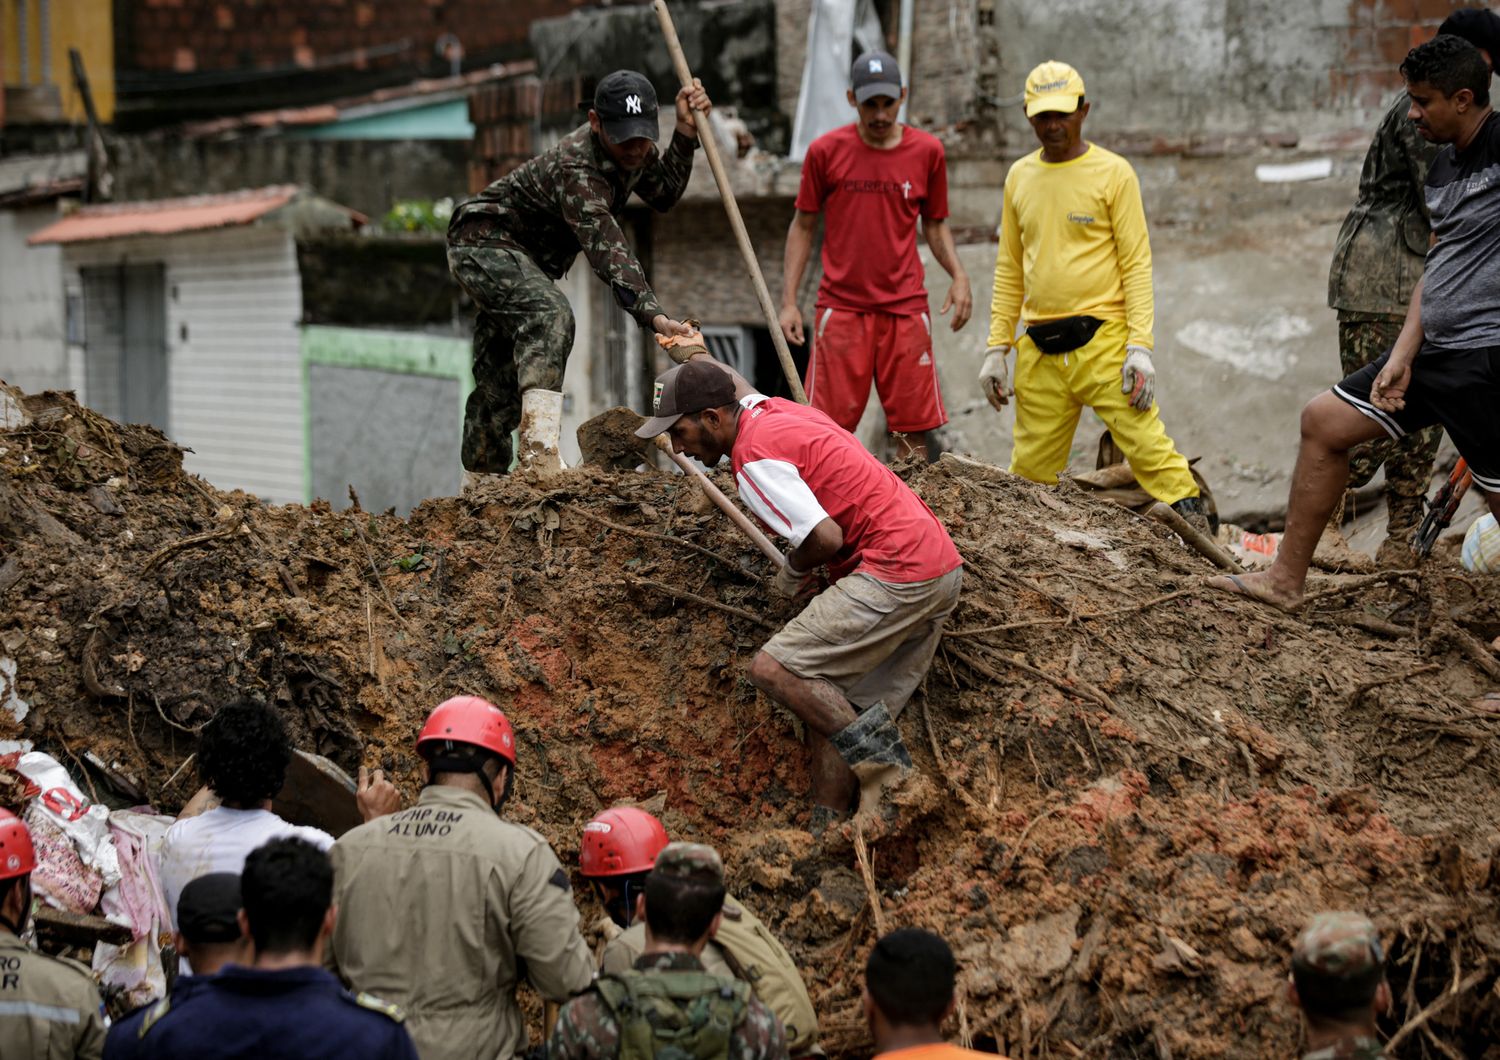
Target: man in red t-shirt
pixel 874 179
pixel 849 662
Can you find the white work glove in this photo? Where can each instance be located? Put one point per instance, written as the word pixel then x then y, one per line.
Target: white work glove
pixel 992 377
pixel 1138 377
pixel 790 581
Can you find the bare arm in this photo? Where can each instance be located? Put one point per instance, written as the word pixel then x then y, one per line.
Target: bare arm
pixel 818 547
pixel 799 241
pixel 960 298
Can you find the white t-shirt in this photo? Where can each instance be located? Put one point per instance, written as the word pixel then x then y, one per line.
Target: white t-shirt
pixel 218 841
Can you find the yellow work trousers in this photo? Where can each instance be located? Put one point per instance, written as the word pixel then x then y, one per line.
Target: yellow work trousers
pixel 1051 392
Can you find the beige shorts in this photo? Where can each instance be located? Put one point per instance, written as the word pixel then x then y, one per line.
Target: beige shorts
pixel 873 640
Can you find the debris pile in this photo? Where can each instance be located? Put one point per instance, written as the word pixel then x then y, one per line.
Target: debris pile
pixel 1140 789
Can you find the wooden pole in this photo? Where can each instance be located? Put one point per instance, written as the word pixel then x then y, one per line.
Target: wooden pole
pixel 726 193
pixel 726 505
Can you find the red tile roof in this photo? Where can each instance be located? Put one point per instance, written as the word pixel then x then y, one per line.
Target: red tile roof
pixel 168 216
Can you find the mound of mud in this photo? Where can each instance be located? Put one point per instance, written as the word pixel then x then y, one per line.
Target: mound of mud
pixel 1136 790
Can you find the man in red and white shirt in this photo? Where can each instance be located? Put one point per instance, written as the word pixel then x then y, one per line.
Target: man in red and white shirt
pixel 850 661
pixel 873 180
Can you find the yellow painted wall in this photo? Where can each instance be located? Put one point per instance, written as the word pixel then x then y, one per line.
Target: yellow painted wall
pixel 83 24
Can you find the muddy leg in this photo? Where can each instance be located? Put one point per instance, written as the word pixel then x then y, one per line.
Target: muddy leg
pixel 833 783
pixel 825 711
pixel 1329 428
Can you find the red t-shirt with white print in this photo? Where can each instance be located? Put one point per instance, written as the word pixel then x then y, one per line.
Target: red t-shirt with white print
pixel 871 199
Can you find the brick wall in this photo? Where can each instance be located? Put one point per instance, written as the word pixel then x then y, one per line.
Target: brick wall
pixel 186 36
pixel 696 268
pixel 1380 34
pixel 507 116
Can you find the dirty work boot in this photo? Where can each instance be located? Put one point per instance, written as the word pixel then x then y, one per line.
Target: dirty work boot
pixel 873 747
pixel 1403 514
pixel 541 430
pixel 1191 509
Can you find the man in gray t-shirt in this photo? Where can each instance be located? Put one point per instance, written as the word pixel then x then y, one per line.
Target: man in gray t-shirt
pixel 1445 367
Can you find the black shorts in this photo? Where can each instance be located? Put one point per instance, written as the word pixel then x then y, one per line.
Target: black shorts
pixel 1459 389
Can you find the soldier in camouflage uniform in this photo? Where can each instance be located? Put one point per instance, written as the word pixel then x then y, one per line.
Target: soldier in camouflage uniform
pixel 668 1005
pixel 1377 261
pixel 508 244
pixel 1338 981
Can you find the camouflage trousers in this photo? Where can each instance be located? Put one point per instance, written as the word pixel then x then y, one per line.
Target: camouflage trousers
pixel 522 338
pixel 1408 461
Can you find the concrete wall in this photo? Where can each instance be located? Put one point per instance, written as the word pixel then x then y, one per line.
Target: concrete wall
pixel 32 353
pixel 367 175
pixel 1182 73
pixel 233 351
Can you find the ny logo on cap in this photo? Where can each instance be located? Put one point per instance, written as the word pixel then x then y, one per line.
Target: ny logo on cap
pixel 656 400
pixel 876 66
pixel 632 104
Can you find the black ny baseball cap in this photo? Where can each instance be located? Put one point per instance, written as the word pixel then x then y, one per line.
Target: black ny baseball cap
pixel 875 74
pixel 685 389
pixel 626 105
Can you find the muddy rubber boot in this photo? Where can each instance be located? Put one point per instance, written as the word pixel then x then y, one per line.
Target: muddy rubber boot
pixel 873 747
pixel 541 430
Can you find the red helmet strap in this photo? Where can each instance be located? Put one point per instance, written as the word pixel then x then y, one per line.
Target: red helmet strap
pixel 22 884
pixel 452 757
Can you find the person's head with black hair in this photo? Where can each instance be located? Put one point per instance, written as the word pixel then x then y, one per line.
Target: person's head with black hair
pixel 1338 978
pixel 208 928
pixel 1448 82
pixel 287 911
pixel 684 899
pixel 243 754
pixel 909 979
pixel 1477 25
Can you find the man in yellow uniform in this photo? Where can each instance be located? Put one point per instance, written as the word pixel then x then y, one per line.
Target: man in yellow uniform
pixel 49 1008
pixel 444 907
pixel 1075 266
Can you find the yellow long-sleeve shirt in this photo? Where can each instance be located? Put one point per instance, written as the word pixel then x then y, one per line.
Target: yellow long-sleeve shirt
pixel 1073 242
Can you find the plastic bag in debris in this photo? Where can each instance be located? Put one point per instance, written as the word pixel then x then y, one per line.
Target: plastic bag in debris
pixel 61 802
pixel 136 969
pixel 1481 551
pixel 1254 551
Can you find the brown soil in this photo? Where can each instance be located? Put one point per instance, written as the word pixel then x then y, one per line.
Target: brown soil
pixel 1135 790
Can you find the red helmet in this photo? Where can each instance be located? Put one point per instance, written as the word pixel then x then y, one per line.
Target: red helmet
pixel 471 720
pixel 620 842
pixel 17 855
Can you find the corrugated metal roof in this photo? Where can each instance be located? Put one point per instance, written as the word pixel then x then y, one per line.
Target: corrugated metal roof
pixel 167 216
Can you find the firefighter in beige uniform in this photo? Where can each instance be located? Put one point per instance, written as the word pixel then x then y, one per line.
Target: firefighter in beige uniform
pixel 618 850
pixel 442 905
pixel 49 1008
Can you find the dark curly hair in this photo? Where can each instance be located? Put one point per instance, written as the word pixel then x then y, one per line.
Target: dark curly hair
pixel 243 753
pixel 1449 64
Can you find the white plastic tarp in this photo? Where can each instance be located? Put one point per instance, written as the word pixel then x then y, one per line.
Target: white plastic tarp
pixel 837 31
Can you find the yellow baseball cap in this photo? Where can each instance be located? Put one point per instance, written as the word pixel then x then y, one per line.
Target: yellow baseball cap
pixel 1053 86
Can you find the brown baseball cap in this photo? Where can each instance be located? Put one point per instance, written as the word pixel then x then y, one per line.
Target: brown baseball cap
pixel 685 389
